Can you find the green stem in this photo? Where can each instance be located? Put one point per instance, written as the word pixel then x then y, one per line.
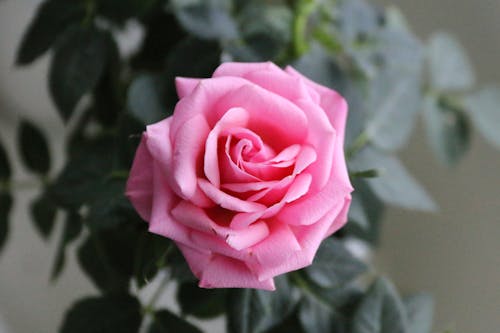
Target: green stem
pixel 359 143
pixel 29 184
pixel 371 173
pixel 90 8
pixel 303 10
pixel 119 174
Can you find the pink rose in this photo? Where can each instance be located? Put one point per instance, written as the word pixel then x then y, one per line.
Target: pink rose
pixel 248 176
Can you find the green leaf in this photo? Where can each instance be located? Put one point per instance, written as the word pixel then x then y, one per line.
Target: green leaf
pixel 334 266
pixel 166 322
pixel 5 207
pixel 253 311
pixel 144 99
pixel 43 212
pixel 484 109
pixel 449 66
pixel 150 256
pixel 71 231
pixel 90 163
pixel 103 314
pixel 52 18
pixel 109 207
pixel 420 310
pixel 394 101
pixel 319 317
pixel 79 60
pixel 395 185
pixel 34 148
pixel 381 311
pixel 357 213
pixel 107 258
pixel 199 302
pixel 448 130
pixel 208 19
pixel 5 169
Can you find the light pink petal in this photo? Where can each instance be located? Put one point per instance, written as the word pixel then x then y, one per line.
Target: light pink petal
pixel 271 116
pixel 188 148
pixel 185 86
pixel 341 218
pixel 197 259
pixel 159 144
pixel 306 157
pixel 277 253
pixel 196 218
pixel 249 187
pixel 311 236
pixel 224 272
pixel 241 69
pixel 299 187
pixel 235 117
pixel 309 209
pixel 203 100
pixel 322 137
pixel 228 201
pixel 139 189
pixel 162 222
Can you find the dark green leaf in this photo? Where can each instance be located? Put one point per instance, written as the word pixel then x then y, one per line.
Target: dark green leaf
pixel 71 231
pixel 103 314
pixel 120 10
pixel 208 19
pixel 52 19
pixel 79 60
pixel 179 269
pixel 144 99
pixel 167 322
pixel 150 256
pixel 373 209
pixel 484 110
pixel 107 258
pixel 290 325
pixel 89 165
pixel 43 212
pixel 395 185
pixel 253 311
pixel 394 101
pixel 201 303
pixel 109 207
pixel 5 170
pixel 448 131
pixel 419 309
pixel 34 148
pixel 357 213
pixel 381 311
pixel 5 207
pixel 319 317
pixel 449 66
pixel 334 266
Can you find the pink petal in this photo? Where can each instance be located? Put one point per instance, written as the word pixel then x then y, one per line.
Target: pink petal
pixel 235 117
pixel 224 272
pixel 159 144
pixel 188 148
pixel 306 157
pixel 227 201
pixel 241 69
pixel 197 259
pixel 139 188
pixel 196 218
pixel 271 116
pixel 185 86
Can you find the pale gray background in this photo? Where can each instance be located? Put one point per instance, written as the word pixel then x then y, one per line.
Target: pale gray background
pixel 455 254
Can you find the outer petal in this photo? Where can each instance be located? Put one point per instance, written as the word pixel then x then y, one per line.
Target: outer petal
pixel 139 188
pixel 185 86
pixel 241 69
pixel 224 272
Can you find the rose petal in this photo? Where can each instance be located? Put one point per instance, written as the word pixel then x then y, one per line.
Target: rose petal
pixel 228 201
pixel 185 86
pixel 196 258
pixel 234 117
pixel 140 182
pixel 240 69
pixel 224 272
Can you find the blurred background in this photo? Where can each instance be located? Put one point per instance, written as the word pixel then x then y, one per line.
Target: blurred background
pixel 455 254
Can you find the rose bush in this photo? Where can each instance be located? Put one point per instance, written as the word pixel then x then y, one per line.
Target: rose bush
pixel 247 176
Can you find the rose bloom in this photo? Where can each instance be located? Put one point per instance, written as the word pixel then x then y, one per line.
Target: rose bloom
pixel 247 176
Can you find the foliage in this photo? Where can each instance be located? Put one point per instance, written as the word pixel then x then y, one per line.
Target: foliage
pixel 366 52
